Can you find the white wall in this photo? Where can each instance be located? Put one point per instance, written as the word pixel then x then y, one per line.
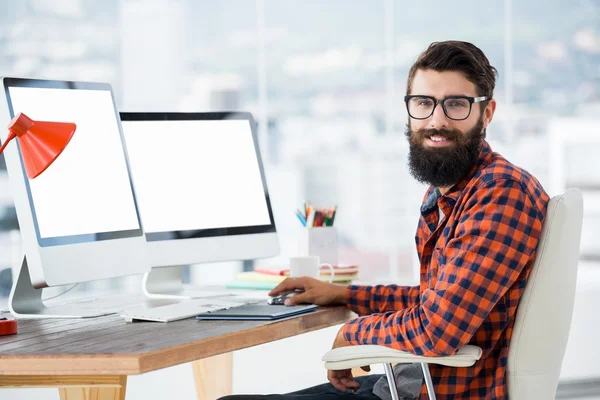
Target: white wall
pixel 581 357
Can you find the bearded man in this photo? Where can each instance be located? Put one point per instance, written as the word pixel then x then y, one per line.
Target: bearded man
pixel 479 226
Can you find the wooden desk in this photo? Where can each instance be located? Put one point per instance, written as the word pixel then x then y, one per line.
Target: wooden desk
pixel 91 358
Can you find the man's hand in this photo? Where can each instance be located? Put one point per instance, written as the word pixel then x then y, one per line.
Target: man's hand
pixel 315 292
pixel 342 379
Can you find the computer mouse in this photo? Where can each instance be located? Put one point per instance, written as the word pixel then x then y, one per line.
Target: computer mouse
pixel 279 300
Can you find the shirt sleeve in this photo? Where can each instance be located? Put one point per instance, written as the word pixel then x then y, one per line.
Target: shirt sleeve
pixel 495 239
pixel 365 300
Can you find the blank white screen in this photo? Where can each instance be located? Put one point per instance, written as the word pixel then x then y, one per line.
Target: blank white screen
pixel 191 175
pixel 86 189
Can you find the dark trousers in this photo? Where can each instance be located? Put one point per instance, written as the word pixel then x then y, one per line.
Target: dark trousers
pixel 325 391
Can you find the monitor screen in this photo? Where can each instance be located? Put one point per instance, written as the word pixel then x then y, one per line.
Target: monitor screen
pixel 86 194
pixel 195 176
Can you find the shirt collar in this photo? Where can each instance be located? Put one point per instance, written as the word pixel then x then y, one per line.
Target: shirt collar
pixel 431 199
pixel 434 194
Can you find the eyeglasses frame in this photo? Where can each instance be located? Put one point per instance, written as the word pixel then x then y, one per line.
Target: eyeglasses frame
pixel 471 100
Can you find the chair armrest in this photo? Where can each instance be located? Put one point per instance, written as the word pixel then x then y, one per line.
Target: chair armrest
pixel 358 356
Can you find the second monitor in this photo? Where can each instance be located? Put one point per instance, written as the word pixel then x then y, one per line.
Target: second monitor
pixel 201 191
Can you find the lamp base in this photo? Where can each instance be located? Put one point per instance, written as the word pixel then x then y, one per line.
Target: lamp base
pixel 8 326
pixel 25 301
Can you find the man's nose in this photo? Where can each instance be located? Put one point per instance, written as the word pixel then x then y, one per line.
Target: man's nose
pixel 438 119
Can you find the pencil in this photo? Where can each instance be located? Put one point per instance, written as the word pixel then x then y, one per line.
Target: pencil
pixel 301 217
pixel 311 219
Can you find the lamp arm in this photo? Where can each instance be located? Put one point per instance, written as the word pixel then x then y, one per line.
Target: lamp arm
pixel 11 136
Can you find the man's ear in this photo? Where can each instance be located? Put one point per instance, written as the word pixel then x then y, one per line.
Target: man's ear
pixel 488 112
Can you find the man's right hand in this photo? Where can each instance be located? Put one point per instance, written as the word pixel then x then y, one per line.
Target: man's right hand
pixel 314 292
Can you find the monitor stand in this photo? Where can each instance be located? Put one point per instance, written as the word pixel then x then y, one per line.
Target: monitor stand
pixel 166 283
pixel 25 301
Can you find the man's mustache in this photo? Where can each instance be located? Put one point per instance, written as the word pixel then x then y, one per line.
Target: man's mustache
pixel 443 133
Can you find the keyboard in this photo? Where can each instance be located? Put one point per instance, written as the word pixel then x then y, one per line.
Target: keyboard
pixel 182 310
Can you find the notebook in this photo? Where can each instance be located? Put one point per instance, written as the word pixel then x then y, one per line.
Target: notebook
pixel 254 312
pixel 262 277
pixel 285 271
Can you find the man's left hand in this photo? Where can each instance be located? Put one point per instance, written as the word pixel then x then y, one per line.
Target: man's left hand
pixel 342 379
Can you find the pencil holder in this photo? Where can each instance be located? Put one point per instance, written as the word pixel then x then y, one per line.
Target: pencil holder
pixel 319 241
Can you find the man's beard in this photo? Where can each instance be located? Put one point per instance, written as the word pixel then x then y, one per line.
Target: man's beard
pixel 444 166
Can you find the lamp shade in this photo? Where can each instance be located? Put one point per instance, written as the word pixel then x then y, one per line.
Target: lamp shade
pixel 41 142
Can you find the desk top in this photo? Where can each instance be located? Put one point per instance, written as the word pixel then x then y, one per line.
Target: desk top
pixel 111 346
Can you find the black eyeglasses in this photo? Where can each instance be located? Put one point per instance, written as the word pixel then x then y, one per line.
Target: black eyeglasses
pixel 457 108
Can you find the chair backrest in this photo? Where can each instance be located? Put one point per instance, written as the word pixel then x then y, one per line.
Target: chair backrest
pixel 544 312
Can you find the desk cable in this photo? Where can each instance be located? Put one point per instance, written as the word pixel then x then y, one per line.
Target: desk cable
pixel 48 298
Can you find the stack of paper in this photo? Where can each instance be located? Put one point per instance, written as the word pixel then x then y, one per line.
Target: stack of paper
pixel 266 278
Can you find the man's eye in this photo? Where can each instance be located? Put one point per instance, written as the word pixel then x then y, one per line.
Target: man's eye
pixel 424 103
pixel 457 103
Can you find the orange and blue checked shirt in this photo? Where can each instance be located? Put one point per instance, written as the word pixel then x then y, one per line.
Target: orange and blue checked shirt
pixel 474 267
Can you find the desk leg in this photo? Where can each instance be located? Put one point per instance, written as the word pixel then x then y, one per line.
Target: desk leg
pixel 213 376
pixel 72 387
pixel 95 392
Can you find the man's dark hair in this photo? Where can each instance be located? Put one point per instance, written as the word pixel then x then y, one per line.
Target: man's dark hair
pixel 458 56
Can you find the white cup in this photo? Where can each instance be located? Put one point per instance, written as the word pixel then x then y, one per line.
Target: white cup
pixel 309 266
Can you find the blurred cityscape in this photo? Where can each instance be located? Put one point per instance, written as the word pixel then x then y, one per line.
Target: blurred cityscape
pixel 325 81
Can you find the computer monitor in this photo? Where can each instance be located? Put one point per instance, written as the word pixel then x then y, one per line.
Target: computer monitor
pixel 79 219
pixel 201 191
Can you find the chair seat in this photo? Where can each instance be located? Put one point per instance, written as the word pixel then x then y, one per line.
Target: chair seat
pixel 358 356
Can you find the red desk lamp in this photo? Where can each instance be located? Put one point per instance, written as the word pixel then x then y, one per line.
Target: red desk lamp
pixel 41 143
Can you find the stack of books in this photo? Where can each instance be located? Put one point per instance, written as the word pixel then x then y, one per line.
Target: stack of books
pixel 266 278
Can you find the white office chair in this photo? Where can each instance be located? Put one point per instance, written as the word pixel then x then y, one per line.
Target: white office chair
pixel 542 324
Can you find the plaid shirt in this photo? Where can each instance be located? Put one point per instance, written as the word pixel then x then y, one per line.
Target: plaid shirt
pixel 474 267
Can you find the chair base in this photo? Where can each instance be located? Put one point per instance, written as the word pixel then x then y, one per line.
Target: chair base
pixel 389 373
